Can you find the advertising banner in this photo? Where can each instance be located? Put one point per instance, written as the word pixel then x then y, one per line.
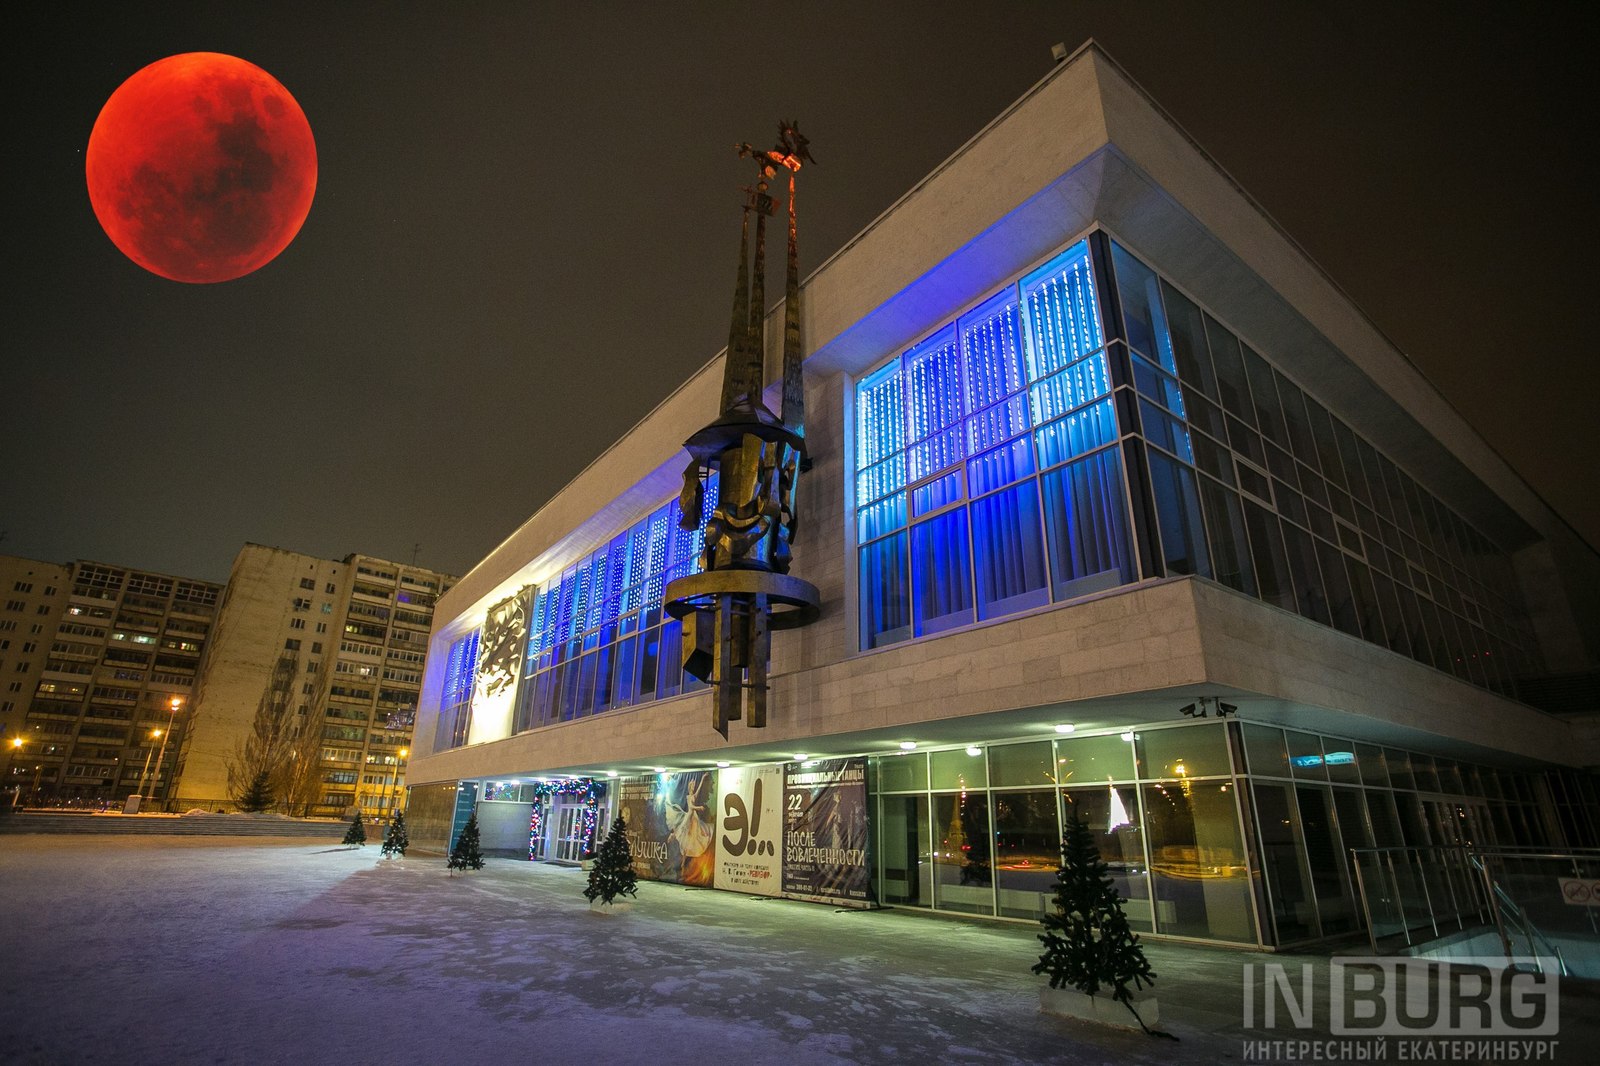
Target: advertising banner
pixel 749 806
pixel 671 826
pixel 825 832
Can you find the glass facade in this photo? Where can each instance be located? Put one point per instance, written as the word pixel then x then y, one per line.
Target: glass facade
pixel 988 479
pixel 1211 830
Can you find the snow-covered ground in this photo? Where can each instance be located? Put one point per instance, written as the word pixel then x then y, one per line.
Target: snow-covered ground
pixel 163 950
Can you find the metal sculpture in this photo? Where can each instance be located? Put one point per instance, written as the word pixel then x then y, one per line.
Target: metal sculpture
pixel 744 590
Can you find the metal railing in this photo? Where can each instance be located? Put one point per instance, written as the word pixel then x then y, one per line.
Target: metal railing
pixel 1412 895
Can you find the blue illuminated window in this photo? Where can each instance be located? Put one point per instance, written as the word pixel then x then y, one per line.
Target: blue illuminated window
pixel 599 638
pixel 455 699
pixel 951 437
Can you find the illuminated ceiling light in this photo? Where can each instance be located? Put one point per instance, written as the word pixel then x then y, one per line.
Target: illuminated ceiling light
pixel 611 773
pixel 974 750
pixel 908 745
pixel 1128 736
pixel 801 757
pixel 658 769
pixel 1065 727
pixel 723 765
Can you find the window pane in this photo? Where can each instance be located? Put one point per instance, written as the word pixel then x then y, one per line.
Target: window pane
pixel 885 516
pixel 1097 759
pixel 1009 544
pixel 991 350
pixel 1232 386
pixel 907 772
pixel 880 416
pixel 1001 466
pixel 1143 318
pixel 1189 350
pixel 998 423
pixel 1186 751
pixel 1087 527
pixel 1183 544
pixel 1081 383
pixel 903 851
pixel 1062 322
pixel 1230 547
pixel 1027 848
pixel 1197 862
pixel 885 593
pixel 941 563
pixel 1078 433
pixel 1112 815
pixel 1265 751
pixel 1271 563
pixel 957 768
pixel 1021 764
pixel 1283 860
pixel 963 877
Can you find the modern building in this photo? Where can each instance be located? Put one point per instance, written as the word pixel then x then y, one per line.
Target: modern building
pixel 329 653
pixel 1119 509
pixel 107 710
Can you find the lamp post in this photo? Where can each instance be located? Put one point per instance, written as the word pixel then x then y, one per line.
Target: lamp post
pixel 15 746
pixel 172 714
pixel 394 779
pixel 144 775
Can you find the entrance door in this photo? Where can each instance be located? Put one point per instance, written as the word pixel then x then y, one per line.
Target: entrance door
pixel 569 832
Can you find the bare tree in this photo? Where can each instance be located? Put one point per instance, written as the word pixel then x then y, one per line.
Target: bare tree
pixel 265 750
pixel 302 768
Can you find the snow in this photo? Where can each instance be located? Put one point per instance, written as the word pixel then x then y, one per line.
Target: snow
pixel 134 950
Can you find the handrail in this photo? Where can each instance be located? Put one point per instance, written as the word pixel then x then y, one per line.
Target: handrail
pixel 1502 901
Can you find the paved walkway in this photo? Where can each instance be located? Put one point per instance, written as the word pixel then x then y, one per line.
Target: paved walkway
pixel 151 950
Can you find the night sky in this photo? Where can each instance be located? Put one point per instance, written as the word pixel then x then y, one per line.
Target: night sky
pixel 526 218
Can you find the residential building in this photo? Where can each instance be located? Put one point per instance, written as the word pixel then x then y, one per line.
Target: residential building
pixel 1118 510
pixel 32 594
pixel 108 709
pixel 333 647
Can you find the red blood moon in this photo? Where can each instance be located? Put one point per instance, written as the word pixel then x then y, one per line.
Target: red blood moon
pixel 201 167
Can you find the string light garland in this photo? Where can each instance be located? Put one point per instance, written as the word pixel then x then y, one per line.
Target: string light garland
pixel 592 792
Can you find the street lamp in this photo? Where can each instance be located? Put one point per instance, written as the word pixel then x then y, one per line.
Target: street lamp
pixel 172 714
pixel 15 746
pixel 394 779
pixel 144 774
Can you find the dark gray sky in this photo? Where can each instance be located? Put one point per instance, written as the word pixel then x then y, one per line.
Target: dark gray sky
pixel 524 230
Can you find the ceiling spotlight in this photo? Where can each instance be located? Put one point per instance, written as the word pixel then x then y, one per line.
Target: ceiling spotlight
pixel 658 769
pixel 974 750
pixel 611 773
pixel 723 765
pixel 1128 736
pixel 1066 727
pixel 908 745
pixel 801 757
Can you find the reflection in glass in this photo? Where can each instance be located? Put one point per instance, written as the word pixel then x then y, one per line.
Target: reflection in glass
pixel 1112 814
pixel 958 769
pixel 1186 752
pixel 963 877
pixel 1027 851
pixel 903 851
pixel 1197 861
pixel 1086 760
pixel 1283 861
pixel 1021 764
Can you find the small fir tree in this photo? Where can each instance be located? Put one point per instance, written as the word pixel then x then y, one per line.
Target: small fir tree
pixel 257 795
pixel 612 874
pixel 357 833
pixel 395 841
pixel 466 855
pixel 1087 942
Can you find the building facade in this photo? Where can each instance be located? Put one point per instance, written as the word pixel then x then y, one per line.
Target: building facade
pixel 108 709
pixel 330 654
pixel 1119 510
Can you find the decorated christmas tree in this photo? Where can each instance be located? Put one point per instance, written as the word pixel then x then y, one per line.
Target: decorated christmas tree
pixel 395 841
pixel 612 874
pixel 357 833
pixel 466 855
pixel 1087 942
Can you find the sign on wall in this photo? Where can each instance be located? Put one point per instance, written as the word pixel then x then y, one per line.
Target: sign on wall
pixel 750 820
pixel 671 826
pixel 825 833
pixel 500 655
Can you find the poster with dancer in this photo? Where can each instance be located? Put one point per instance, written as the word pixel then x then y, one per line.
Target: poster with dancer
pixel 750 823
pixel 825 833
pixel 671 826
